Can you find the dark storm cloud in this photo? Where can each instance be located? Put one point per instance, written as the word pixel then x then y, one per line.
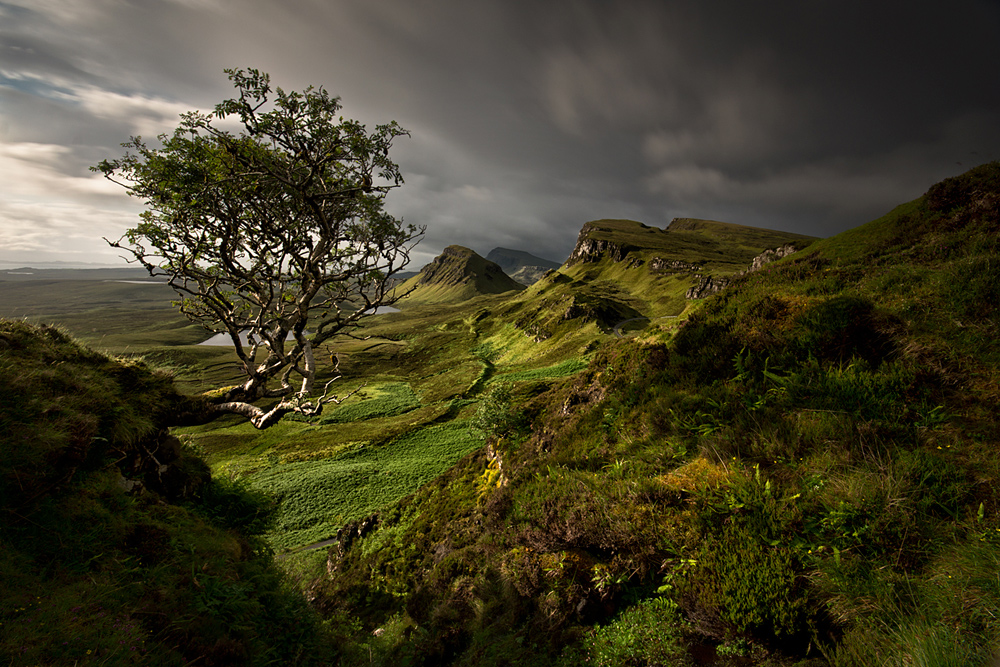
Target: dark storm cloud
pixel 811 116
pixel 529 119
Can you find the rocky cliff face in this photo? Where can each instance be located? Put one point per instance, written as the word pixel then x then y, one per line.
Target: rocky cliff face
pixel 592 250
pixel 661 265
pixel 769 256
pixel 709 285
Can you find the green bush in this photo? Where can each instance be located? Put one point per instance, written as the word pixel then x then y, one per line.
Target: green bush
pixel 647 634
pixel 496 415
pixel 746 571
pixel 752 583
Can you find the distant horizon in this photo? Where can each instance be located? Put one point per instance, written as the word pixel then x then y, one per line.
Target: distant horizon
pixel 524 120
pixel 120 262
pixel 49 264
pixel 7 265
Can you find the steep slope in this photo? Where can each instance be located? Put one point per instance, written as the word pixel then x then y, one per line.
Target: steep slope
pixel 522 266
pixel 685 244
pixel 457 274
pixel 625 270
pixel 116 545
pixel 804 473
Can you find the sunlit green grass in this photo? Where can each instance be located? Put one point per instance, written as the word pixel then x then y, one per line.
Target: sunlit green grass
pixel 383 400
pixel 318 497
pixel 561 369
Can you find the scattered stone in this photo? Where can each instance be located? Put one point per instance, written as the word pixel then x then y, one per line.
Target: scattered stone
pixel 709 285
pixel 661 265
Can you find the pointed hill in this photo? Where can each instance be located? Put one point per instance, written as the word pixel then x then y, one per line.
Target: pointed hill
pixel 522 266
pixel 457 274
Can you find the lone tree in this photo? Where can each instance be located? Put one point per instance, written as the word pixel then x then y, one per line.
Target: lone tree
pixel 269 230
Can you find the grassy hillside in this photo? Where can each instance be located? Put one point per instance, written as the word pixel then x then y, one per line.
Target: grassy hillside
pixel 799 471
pixel 422 373
pixel 116 546
pixel 803 473
pixel 626 270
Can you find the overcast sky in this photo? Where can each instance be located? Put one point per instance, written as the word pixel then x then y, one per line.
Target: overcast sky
pixel 527 118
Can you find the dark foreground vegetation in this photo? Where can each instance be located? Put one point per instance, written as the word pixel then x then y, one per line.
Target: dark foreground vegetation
pixel 800 470
pixel 116 545
pixel 805 473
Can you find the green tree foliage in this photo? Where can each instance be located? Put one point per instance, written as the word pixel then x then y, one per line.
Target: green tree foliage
pixel 496 415
pixel 269 230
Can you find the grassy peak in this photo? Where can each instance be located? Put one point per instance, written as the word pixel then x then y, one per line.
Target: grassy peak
pixel 458 274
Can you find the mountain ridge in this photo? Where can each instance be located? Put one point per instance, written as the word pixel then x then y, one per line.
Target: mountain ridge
pixel 721 246
pixel 624 269
pixel 520 265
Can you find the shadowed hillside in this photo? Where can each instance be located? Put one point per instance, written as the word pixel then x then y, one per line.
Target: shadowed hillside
pixel 803 473
pixel 117 547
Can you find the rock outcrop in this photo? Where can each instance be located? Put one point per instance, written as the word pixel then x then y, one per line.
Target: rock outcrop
pixel 709 285
pixel 769 256
pixel 593 250
pixel 593 243
pixel 661 265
